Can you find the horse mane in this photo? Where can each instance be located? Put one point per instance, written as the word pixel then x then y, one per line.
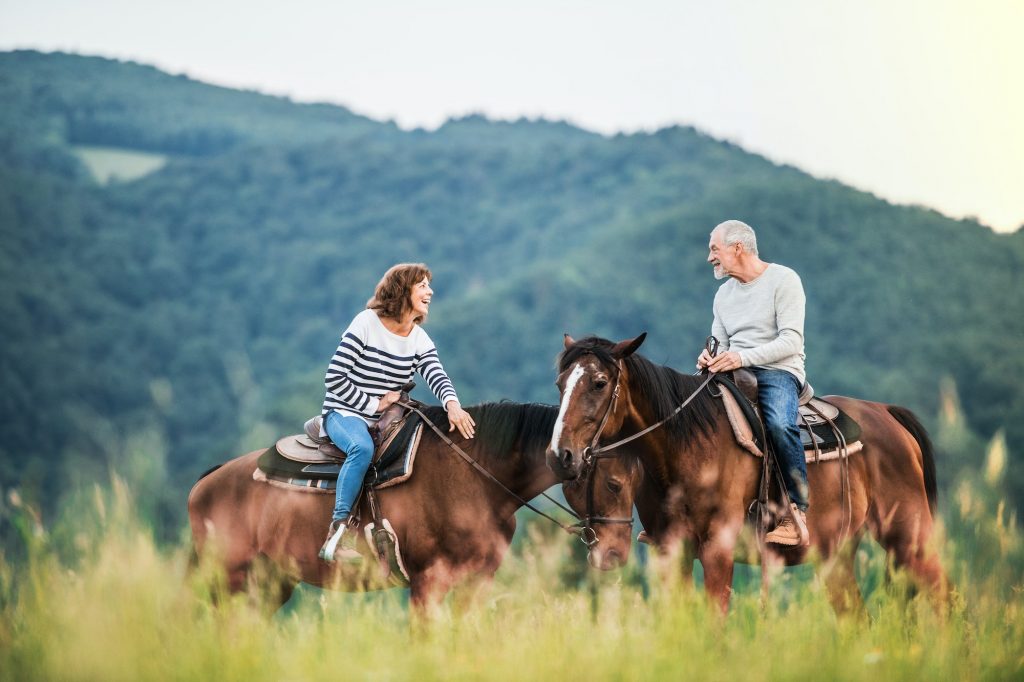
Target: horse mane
pixel 503 425
pixel 664 388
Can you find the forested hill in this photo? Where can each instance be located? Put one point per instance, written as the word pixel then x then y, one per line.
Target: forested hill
pixel 168 320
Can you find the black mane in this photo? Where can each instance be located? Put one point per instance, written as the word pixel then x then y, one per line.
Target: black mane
pixel 663 387
pixel 501 426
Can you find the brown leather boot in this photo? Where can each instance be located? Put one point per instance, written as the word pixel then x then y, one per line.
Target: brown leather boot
pixel 791 531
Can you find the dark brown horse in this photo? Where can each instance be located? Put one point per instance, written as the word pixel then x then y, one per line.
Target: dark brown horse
pixel 699 483
pixel 453 524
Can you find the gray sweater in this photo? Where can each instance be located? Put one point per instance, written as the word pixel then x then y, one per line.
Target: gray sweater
pixel 763 320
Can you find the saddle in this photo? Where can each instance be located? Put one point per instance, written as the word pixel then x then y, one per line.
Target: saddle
pixel 311 462
pixel 826 432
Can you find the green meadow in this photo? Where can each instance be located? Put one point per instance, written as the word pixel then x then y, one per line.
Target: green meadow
pixel 95 597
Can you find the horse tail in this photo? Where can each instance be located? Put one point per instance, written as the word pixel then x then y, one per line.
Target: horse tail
pixel 910 422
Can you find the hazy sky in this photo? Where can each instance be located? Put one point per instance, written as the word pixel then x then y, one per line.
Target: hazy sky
pixel 919 102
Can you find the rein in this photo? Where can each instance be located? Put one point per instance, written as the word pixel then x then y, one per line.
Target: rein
pixel 594 450
pixel 575 529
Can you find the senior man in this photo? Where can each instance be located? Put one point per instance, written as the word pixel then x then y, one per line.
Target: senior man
pixel 759 321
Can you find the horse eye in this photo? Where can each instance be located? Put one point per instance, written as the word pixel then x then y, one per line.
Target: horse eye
pixel 614 486
pixel 600 384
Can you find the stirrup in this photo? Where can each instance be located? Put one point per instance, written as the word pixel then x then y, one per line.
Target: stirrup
pixel 334 533
pixel 340 545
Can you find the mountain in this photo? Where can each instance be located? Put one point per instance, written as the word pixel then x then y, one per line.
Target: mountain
pixel 163 324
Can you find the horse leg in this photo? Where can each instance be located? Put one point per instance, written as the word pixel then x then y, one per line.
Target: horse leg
pixel 772 565
pixel 840 579
pixel 268 584
pixel 716 556
pixel 427 589
pixel 904 535
pixel 686 559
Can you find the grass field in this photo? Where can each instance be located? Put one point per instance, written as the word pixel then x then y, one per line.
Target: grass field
pixel 96 599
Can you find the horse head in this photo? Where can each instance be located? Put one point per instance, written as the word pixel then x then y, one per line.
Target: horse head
pixel 602 496
pixel 594 400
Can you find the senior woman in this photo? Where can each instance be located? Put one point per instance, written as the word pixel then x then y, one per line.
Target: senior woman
pixel 379 352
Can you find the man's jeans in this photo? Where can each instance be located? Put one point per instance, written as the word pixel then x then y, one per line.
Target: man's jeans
pixel 778 392
pixel 352 435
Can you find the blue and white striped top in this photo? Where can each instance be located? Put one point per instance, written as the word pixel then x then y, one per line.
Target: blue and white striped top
pixel 370 361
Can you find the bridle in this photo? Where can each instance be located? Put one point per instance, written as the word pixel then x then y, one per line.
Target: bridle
pixel 594 452
pixel 591 455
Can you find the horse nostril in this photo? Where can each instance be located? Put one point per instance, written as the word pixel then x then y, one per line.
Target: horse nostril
pixel 566 457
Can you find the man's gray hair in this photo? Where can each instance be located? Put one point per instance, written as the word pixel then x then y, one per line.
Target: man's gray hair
pixel 734 231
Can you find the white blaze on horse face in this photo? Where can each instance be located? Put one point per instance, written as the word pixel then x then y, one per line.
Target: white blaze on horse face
pixel 570 386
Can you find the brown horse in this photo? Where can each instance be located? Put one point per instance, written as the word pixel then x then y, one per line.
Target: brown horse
pixel 453 524
pixel 699 483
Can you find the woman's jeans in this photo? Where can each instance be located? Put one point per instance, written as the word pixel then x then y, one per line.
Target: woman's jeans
pixel 352 435
pixel 778 393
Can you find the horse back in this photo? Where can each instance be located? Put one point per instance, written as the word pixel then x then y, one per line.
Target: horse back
pixel 897 449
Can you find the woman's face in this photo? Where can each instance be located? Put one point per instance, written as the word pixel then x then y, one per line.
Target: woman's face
pixel 420 297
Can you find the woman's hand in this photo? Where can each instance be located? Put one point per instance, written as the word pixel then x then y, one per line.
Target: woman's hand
pixel 387 400
pixel 460 419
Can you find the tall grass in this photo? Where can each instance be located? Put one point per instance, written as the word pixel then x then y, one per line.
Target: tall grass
pixel 112 605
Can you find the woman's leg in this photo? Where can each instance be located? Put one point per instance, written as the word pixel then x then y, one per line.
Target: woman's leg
pixel 352 435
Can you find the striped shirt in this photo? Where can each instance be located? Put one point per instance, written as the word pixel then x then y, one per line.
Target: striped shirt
pixel 370 361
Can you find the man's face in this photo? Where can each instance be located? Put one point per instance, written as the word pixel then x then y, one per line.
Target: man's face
pixel 724 258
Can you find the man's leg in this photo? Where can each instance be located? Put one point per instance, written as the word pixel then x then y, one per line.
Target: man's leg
pixel 778 393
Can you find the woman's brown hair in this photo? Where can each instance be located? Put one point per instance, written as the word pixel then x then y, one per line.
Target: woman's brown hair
pixel 391 298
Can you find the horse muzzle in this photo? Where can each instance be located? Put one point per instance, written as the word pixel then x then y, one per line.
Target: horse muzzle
pixel 605 559
pixel 564 463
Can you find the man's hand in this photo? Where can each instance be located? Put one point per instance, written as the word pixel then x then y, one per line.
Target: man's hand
pixel 459 418
pixel 725 362
pixel 704 360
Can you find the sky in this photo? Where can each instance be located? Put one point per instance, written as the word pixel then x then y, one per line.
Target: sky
pixel 916 102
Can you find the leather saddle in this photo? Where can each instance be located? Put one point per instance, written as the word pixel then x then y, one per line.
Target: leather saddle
pixel 825 430
pixel 310 447
pixel 819 411
pixel 311 462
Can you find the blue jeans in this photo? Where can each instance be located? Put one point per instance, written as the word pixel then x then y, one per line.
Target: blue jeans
pixel 778 392
pixel 352 435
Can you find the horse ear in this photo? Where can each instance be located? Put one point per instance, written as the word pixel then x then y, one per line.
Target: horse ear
pixel 568 341
pixel 623 349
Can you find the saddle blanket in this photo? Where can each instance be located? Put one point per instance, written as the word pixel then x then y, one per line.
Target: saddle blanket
pixel 821 442
pixel 295 462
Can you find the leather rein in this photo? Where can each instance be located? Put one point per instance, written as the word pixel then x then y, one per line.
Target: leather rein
pixel 575 529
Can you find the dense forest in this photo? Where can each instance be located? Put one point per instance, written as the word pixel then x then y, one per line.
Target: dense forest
pixel 159 325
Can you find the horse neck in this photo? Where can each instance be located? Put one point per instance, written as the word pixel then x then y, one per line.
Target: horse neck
pixel 528 474
pixel 660 453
